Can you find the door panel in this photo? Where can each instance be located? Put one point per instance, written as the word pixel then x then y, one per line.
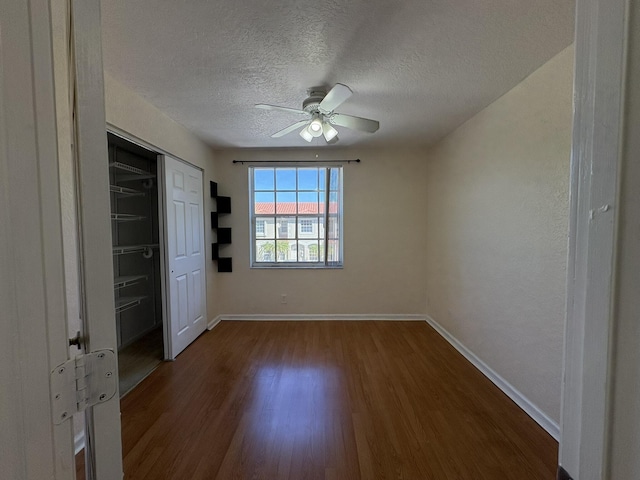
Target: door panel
pixel 195 230
pixel 184 253
pixel 180 230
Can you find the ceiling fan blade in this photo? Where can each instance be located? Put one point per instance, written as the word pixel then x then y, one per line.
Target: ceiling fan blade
pixel 282 109
pixel 290 128
pixel 336 96
pixel 355 123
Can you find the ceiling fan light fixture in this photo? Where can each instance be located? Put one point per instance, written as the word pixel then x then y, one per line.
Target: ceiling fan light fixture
pixel 304 133
pixel 329 132
pixel 315 127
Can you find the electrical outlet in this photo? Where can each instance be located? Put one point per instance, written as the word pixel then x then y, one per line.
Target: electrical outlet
pixel 283 298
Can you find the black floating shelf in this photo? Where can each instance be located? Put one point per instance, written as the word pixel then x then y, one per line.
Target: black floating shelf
pixel 224 204
pixel 224 235
pixel 224 264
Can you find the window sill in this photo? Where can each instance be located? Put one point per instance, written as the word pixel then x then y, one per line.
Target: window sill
pixel 290 266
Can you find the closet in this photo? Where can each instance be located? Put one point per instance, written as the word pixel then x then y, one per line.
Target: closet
pixel 137 259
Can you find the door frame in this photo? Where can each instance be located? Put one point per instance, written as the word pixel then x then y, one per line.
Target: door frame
pixel 599 157
pixel 32 342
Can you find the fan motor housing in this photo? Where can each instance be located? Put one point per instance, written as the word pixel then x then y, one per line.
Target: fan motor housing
pixel 311 103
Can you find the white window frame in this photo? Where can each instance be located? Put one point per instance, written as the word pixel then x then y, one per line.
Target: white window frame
pixel 322 263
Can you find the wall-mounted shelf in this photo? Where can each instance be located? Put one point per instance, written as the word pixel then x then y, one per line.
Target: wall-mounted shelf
pixel 137 173
pixel 125 303
pixel 224 236
pixel 126 217
pixel 125 192
pixel 223 207
pixel 127 281
pixel 225 264
pixel 127 249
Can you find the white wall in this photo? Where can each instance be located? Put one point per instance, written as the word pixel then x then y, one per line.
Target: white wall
pixel 497 216
pixel 384 239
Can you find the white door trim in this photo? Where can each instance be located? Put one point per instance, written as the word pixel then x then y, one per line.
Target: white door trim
pixel 601 42
pixel 33 333
pixel 94 213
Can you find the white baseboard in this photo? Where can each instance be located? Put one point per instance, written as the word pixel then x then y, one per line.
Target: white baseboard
pixel 213 322
pixel 523 402
pixel 316 317
pixel 78 442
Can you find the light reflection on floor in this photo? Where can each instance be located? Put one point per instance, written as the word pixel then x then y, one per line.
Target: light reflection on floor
pixel 293 404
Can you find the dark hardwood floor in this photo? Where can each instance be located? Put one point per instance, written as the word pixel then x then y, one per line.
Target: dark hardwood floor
pixel 327 400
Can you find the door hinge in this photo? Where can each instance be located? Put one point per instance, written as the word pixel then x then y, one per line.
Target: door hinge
pixel 82 382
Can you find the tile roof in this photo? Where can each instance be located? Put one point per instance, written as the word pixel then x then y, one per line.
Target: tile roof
pixel 289 208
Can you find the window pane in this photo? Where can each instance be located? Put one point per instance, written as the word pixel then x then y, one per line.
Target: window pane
pixel 263 179
pixel 284 250
pixel 265 227
pixel 307 179
pixel 333 203
pixel 285 202
pixel 334 178
pixel 311 250
pixel 285 179
pixel 286 227
pixel 321 227
pixel 264 203
pixel 308 202
pixel 265 251
pixel 334 227
pixel 334 251
pixel 322 179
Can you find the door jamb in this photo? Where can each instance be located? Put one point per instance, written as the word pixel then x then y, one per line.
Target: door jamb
pixel 600 69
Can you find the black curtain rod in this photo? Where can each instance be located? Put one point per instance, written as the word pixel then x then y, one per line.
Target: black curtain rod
pixel 242 162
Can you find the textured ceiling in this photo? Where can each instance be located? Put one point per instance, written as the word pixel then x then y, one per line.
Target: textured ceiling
pixel 420 67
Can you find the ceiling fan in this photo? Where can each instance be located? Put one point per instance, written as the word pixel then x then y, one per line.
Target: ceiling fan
pixel 320 116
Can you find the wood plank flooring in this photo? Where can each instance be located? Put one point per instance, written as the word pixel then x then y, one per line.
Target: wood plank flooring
pixel 327 400
pixel 139 359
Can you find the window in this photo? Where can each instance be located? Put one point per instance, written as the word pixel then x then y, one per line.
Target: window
pixel 296 215
pixel 306 225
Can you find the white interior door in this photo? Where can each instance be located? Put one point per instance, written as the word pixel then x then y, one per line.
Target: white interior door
pixel 184 250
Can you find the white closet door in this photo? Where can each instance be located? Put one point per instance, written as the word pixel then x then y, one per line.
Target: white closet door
pixel 185 253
